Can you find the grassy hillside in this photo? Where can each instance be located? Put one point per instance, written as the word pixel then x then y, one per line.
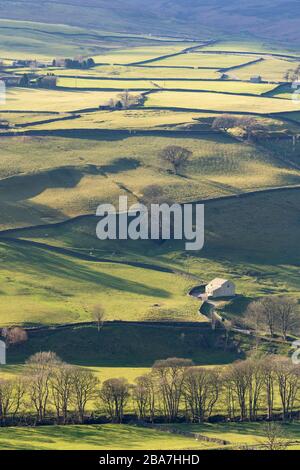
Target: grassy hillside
pixel 127 345
pixel 66 177
pixel 270 20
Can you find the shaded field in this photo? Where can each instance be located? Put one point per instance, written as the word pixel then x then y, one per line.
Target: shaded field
pixel 123 346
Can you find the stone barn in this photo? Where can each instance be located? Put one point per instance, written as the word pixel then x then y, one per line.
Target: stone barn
pixel 220 288
pixel 2 353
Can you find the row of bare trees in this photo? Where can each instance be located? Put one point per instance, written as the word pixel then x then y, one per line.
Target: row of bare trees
pixel 173 389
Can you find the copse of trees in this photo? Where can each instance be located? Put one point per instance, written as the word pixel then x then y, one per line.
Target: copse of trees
pixel 77 63
pixel 173 390
pixel 248 124
pixel 273 315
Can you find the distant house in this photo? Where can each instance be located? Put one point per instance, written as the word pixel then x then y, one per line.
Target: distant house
pixel 42 81
pixel 48 81
pixel 256 79
pixel 11 80
pixel 224 76
pixel 2 353
pixel 220 288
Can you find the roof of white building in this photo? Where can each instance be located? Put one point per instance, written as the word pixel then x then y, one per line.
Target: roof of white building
pixel 217 282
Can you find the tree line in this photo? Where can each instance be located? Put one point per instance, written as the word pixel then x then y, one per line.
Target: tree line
pixel 174 389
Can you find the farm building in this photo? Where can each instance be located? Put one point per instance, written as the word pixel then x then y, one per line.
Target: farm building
pixel 220 288
pixel 256 79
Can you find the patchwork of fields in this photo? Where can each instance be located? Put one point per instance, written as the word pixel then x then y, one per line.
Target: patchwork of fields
pixel 67 149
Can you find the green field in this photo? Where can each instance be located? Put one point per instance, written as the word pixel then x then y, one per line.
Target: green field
pixel 239 434
pixel 219 102
pixel 125 349
pixel 102 437
pixel 218 86
pixel 96 168
pixel 197 60
pixel 270 69
pixel 114 437
pixel 23 99
pixel 140 72
pixel 62 155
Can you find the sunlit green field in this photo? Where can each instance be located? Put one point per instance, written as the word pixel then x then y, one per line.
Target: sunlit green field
pixel 23 99
pixel 241 433
pixel 139 54
pixel 218 86
pixel 102 437
pixel 141 72
pixel 205 60
pixel 219 102
pixel 269 69
pixel 52 288
pixel 101 167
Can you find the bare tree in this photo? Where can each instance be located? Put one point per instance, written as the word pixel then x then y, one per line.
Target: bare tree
pixel 224 122
pixel 274 438
pixel 99 316
pixel 176 157
pixel 262 315
pixel 11 395
pixel 144 396
pixel 114 394
pixel 40 368
pixel 170 378
pixel 14 335
pixel 62 390
pixel 85 385
pixel 201 391
pixel 128 99
pixel 239 380
pixel 248 124
pixel 269 376
pixel 288 379
pixel 255 372
pixel 286 314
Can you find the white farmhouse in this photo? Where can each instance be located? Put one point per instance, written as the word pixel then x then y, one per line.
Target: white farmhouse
pixel 220 288
pixel 2 353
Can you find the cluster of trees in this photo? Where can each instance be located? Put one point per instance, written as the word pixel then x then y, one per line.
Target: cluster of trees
pixel 273 315
pixel 173 389
pixel 125 100
pixel 14 335
pixel 77 63
pixel 248 124
pixel 292 75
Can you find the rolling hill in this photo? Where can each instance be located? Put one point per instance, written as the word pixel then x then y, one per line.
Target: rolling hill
pixel 270 20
